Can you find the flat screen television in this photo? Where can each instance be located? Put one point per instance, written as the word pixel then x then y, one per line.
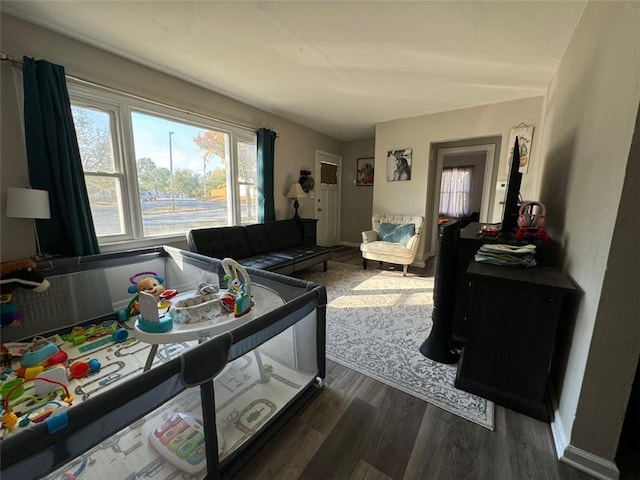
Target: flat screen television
pixel 511 205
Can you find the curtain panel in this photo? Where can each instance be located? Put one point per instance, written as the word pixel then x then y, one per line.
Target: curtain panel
pixel 54 161
pixel 266 166
pixel 455 191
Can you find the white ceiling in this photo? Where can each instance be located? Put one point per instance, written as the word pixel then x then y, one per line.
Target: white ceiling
pixel 336 67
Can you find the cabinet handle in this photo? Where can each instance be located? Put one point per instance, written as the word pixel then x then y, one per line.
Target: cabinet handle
pixel 551 299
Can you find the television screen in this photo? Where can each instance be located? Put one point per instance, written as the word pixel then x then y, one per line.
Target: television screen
pixel 511 199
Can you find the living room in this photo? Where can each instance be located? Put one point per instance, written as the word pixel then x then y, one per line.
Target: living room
pixel 584 168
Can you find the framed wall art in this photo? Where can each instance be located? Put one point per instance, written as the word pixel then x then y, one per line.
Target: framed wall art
pixel 525 136
pixel 364 171
pixel 399 165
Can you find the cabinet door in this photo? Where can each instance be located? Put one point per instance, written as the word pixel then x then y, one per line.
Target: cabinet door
pixel 466 251
pixel 511 337
pixel 308 228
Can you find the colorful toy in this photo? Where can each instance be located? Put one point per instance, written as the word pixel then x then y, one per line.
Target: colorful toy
pixel 10 419
pixel 92 331
pixel 149 319
pixel 13 275
pixel 58 374
pixel 180 440
pixel 80 368
pixel 237 299
pixel 151 283
pixel 39 352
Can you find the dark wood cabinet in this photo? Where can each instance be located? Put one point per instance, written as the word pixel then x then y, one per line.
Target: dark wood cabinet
pixel 512 321
pixel 468 244
pixel 308 230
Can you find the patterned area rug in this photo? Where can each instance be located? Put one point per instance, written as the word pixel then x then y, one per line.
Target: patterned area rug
pixel 376 322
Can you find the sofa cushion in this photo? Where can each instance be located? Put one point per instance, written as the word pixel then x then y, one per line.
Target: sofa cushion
pixel 268 261
pixel 220 242
pixel 283 234
pixel 258 238
pixel 396 233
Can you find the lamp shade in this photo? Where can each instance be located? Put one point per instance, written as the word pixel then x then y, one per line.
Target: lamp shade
pixel 27 203
pixel 296 191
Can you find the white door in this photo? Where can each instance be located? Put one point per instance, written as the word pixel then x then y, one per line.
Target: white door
pixel 327 198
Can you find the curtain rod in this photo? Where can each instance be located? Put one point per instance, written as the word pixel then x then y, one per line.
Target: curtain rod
pixel 9 58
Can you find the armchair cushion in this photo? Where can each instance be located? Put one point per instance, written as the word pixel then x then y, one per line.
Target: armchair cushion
pixel 396 233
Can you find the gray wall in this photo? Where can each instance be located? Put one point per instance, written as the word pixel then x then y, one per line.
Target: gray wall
pixel 590 116
pixel 357 202
pixel 416 197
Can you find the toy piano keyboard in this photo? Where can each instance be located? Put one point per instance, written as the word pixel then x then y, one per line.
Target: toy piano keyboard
pixel 180 440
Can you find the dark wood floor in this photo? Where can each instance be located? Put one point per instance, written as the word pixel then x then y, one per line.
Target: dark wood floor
pixel 359 428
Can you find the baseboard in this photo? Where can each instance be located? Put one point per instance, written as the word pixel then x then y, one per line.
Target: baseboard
pixel 350 244
pixel 579 459
pixel 557 429
pixel 595 466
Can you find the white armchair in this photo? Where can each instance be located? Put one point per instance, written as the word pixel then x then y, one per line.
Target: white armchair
pixel 393 239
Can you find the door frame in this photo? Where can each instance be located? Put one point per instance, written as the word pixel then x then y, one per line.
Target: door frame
pixel 489 149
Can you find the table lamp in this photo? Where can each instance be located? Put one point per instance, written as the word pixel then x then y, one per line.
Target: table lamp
pixel 28 203
pixel 296 192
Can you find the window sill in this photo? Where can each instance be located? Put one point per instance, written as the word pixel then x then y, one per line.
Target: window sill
pixel 177 241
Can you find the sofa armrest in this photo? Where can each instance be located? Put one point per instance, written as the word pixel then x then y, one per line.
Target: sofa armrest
pixel 369 236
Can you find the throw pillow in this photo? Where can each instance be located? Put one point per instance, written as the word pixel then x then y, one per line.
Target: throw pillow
pixel 396 232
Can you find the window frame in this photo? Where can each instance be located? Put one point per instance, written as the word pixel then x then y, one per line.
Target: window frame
pixel 122 105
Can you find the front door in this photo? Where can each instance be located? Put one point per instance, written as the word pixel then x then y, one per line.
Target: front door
pixel 328 173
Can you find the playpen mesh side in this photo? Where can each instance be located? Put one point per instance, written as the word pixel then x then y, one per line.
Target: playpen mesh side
pixel 35 452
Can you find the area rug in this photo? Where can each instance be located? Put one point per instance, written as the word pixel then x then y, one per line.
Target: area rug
pixel 376 322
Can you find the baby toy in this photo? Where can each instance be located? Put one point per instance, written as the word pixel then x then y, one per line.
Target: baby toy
pixel 39 352
pixel 140 283
pixel 17 274
pixel 10 419
pixel 149 319
pixel 80 368
pixel 237 299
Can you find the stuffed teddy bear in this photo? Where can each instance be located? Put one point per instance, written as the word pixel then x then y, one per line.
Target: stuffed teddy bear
pixel 149 284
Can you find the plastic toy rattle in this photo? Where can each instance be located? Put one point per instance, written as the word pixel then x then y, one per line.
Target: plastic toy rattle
pixel 238 297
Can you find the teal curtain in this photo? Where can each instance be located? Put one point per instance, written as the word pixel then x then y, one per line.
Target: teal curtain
pixel 54 161
pixel 266 162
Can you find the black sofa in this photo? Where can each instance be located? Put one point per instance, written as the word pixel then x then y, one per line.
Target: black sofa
pixel 277 246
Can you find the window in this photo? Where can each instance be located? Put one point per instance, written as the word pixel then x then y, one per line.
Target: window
pixel 154 172
pixel 455 191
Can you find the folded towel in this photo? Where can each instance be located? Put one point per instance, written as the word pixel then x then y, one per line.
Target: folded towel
pixel 507 255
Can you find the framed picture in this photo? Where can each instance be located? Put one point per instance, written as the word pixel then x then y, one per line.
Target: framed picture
pixel 399 165
pixel 525 136
pixel 364 171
